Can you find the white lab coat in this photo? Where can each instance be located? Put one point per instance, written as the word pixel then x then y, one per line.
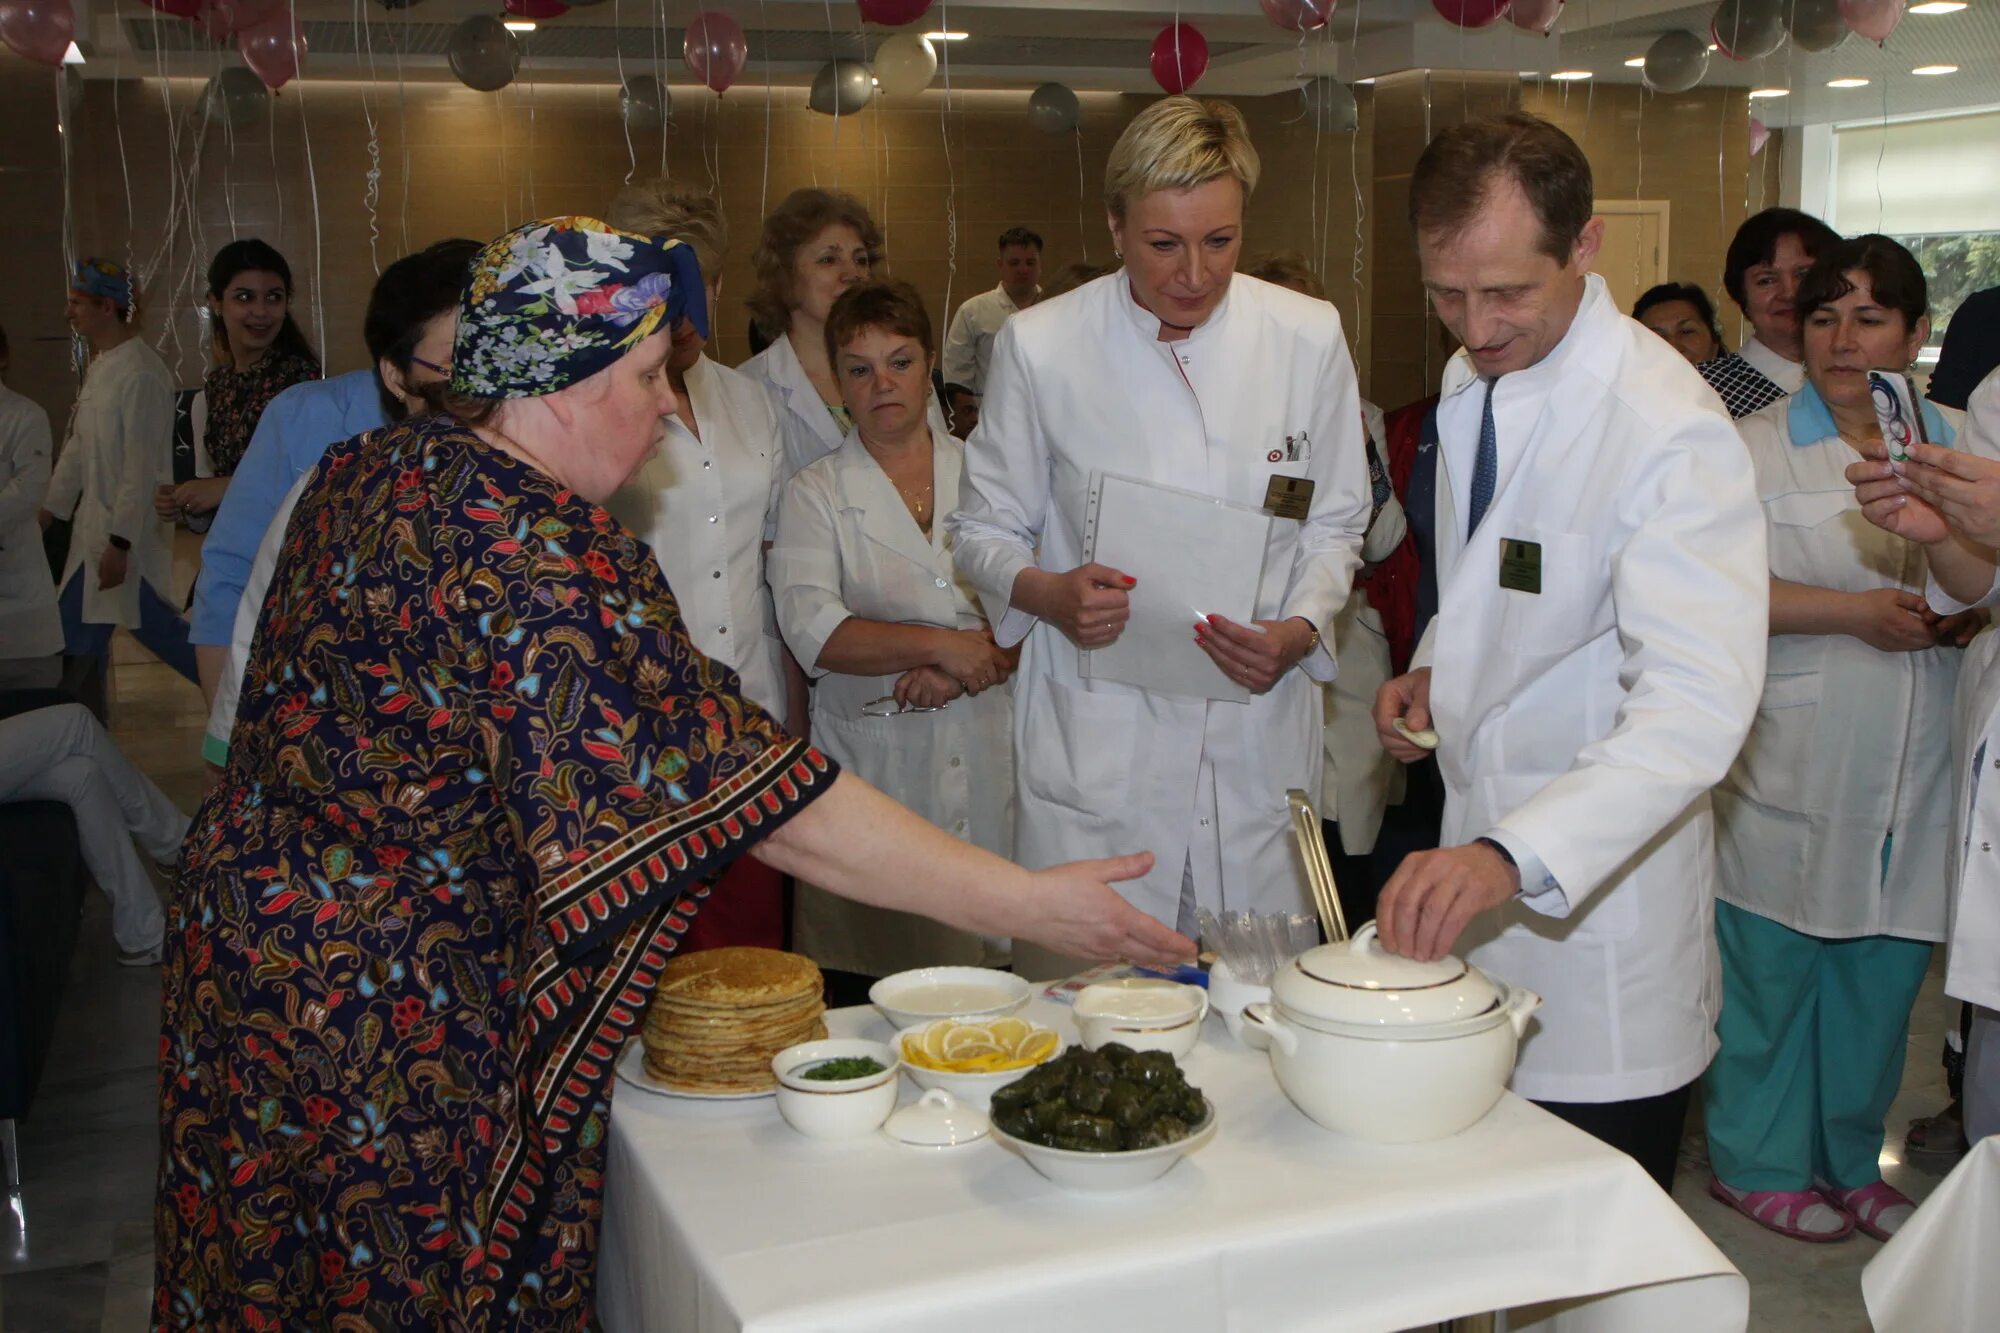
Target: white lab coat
pixel 1081 384
pixel 1585 725
pixel 847 546
pixel 1361 779
pixel 1850 742
pixel 1972 970
pixel 119 450
pixel 29 623
pixel 811 430
pixel 706 507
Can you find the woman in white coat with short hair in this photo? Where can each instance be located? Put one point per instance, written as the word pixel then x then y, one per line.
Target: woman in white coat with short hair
pixel 911 691
pixel 1173 371
pixel 1833 827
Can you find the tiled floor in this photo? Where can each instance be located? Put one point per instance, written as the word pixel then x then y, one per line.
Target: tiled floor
pixel 88 1151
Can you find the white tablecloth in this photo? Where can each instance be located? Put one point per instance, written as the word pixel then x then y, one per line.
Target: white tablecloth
pixel 1938 1274
pixel 719 1218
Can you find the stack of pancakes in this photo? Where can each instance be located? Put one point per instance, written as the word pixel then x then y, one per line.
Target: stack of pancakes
pixel 719 1016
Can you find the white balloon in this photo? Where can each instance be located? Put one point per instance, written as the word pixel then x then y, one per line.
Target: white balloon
pixel 1675 62
pixel 905 64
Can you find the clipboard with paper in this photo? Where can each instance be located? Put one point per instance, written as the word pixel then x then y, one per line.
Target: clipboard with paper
pixel 1193 555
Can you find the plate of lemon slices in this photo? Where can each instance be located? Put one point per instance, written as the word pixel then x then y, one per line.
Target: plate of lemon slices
pixel 971 1060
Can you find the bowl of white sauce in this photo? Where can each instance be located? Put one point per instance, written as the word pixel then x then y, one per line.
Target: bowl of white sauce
pixel 926 994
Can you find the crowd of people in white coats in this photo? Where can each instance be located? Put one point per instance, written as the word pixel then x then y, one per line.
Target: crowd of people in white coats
pixel 1702 666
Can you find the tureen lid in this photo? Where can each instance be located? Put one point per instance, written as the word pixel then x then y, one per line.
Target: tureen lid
pixel 1360 983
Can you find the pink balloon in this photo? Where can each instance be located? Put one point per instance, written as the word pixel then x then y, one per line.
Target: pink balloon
pixel 275 50
pixel 1535 15
pixel 1873 19
pixel 891 13
pixel 536 9
pixel 38 29
pixel 226 18
pixel 1760 134
pixel 716 49
pixel 1180 57
pixel 1298 15
pixel 1471 13
pixel 180 9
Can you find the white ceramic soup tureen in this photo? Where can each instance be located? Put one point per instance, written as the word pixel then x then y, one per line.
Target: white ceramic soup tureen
pixel 1387 1048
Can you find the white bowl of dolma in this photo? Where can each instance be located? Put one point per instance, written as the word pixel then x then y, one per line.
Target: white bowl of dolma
pixel 1109 1119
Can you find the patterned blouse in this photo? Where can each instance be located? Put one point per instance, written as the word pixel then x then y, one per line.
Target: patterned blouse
pixel 480 781
pixel 236 399
pixel 1743 387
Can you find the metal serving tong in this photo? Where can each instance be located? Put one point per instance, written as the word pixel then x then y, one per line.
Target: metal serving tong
pixel 1319 870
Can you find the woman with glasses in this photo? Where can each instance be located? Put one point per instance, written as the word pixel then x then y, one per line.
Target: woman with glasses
pixel 911 689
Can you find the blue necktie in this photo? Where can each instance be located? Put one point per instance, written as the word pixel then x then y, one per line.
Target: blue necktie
pixel 1486 468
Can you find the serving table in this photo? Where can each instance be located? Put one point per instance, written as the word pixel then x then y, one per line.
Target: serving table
pixel 719 1219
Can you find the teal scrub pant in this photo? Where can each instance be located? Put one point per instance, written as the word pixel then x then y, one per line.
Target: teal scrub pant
pixel 1813 1034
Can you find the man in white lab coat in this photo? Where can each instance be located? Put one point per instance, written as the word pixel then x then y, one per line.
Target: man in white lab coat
pixel 968 347
pixel 118 451
pixel 1598 651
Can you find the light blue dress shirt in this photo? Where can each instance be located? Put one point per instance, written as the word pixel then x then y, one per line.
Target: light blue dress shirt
pixel 294 433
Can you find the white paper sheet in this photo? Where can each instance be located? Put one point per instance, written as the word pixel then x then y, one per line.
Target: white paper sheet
pixel 1193 555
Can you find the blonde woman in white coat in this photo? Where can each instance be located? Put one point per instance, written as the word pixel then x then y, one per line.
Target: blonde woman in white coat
pixel 816 244
pixel 1178 372
pixel 911 690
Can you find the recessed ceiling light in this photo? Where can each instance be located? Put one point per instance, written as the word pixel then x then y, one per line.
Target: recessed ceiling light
pixel 1570 75
pixel 1364 83
pixel 1935 69
pixel 1713 47
pixel 946 36
pixel 1636 62
pixel 1938 7
pixel 1847 83
pixel 518 25
pixel 1770 92
pixel 72 55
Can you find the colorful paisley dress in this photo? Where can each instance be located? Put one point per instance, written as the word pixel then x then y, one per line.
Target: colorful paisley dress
pixel 479 782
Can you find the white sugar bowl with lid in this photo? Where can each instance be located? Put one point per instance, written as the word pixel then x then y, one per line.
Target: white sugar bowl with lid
pixel 1387 1048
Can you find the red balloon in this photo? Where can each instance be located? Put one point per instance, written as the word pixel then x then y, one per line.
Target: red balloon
pixel 38 29
pixel 716 49
pixel 275 50
pixel 1298 15
pixel 536 9
pixel 180 9
pixel 226 18
pixel 1471 13
pixel 1180 57
pixel 892 13
pixel 1535 15
pixel 1873 19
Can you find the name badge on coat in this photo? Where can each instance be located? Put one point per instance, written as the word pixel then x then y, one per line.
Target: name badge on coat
pixel 1521 565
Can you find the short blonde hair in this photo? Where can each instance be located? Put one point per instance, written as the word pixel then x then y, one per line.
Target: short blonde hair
pixel 1177 144
pixel 662 207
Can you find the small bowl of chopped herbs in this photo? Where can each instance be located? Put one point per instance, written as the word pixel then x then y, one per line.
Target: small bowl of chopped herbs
pixel 839 1088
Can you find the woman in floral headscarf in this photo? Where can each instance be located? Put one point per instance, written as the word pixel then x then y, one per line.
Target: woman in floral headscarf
pixel 478 785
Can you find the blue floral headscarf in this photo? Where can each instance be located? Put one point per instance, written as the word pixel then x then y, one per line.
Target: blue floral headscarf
pixel 104 278
pixel 554 302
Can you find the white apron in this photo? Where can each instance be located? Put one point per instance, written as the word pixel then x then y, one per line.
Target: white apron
pixel 847 546
pixel 1850 743
pixel 1588 722
pixel 1082 384
pixel 119 450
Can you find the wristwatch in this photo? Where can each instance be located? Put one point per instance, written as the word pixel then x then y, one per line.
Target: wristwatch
pixel 1313 643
